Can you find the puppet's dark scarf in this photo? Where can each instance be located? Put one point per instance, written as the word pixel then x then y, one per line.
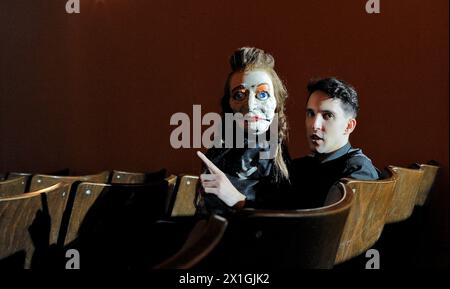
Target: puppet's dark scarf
pixel 244 168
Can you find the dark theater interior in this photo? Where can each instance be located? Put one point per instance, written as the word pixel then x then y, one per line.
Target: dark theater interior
pixel 93 173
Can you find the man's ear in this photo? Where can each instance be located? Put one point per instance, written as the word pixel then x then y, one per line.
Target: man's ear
pixel 351 124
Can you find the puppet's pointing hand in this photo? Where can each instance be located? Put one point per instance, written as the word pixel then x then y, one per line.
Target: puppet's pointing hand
pixel 217 183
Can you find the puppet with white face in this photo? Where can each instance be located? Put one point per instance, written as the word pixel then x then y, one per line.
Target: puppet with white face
pixel 232 176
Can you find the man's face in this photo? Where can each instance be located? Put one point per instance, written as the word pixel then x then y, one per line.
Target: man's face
pixel 252 95
pixel 327 125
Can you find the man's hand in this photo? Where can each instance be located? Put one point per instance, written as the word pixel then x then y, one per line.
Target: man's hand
pixel 217 183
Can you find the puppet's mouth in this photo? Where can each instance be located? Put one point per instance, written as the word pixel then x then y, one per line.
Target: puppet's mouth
pixel 255 118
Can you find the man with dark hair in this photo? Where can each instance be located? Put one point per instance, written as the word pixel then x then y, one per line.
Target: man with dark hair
pixel 331 112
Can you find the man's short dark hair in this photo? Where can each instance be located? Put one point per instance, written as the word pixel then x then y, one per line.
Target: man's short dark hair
pixel 339 89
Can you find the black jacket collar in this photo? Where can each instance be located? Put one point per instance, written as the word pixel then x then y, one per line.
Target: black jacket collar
pixel 323 158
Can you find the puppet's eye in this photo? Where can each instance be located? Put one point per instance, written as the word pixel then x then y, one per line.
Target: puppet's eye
pixel 262 95
pixel 239 95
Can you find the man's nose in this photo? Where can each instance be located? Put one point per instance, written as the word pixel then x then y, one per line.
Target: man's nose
pixel 317 123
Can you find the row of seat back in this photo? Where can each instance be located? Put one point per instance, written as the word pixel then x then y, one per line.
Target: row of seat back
pixel 17 183
pixel 30 222
pixel 363 227
pixel 65 229
pixel 376 203
pixel 381 202
pixel 373 205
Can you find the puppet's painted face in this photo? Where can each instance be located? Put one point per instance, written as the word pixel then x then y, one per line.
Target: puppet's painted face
pixel 252 95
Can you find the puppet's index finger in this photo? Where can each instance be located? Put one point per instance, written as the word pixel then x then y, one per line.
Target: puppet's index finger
pixel 212 167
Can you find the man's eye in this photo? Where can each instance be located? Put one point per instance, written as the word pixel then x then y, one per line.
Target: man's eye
pixel 309 113
pixel 262 95
pixel 239 95
pixel 327 116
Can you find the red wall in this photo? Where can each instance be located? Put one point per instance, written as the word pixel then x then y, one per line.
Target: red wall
pixel 96 90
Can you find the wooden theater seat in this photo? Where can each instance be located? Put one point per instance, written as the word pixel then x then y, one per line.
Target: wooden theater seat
pixel 203 238
pixel 273 239
pixel 429 176
pixel 372 200
pixel 13 187
pixel 405 193
pixel 184 204
pixel 14 175
pixel 124 177
pixel 111 224
pixel 95 202
pixel 85 194
pixel 29 223
pixel 171 193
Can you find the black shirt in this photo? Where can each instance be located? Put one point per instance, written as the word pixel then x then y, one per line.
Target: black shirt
pixel 312 176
